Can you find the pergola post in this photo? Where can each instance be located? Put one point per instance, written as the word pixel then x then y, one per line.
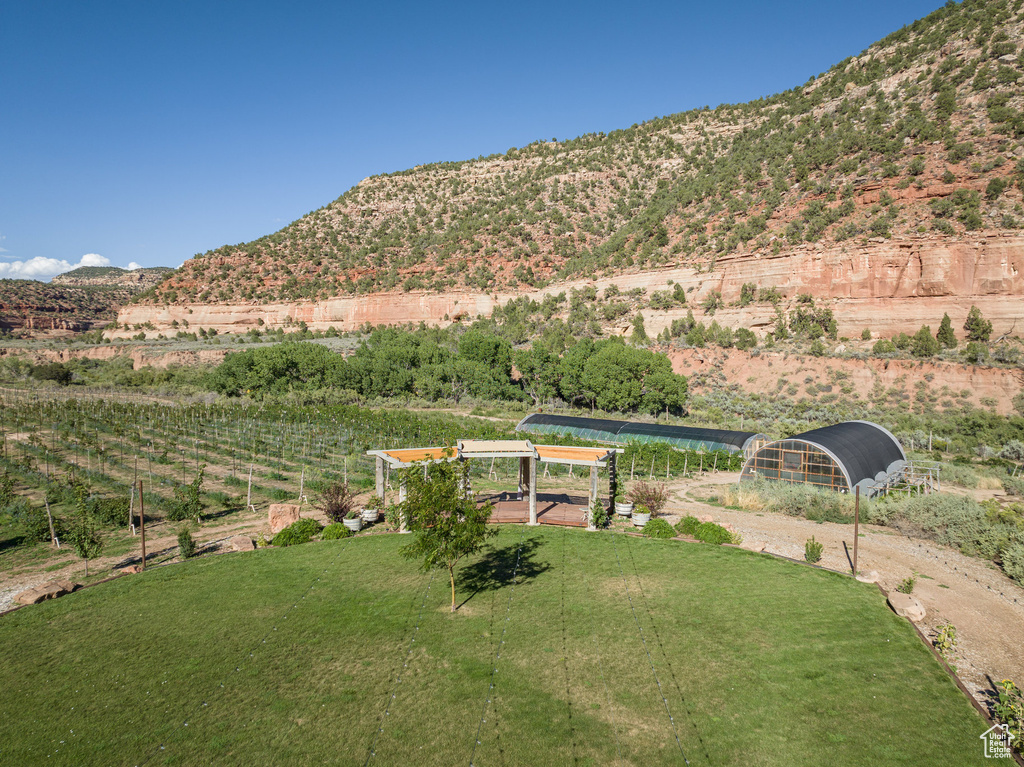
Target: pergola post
pixel 613 480
pixel 593 497
pixel 524 467
pixel 381 488
pixel 403 490
pixel 531 467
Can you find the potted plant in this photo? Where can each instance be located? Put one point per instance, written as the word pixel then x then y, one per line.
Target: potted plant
pixel 371 510
pixel 649 494
pixel 641 515
pixel 353 521
pixel 623 506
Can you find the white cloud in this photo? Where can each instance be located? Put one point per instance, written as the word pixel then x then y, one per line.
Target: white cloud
pixel 44 268
pixel 132 266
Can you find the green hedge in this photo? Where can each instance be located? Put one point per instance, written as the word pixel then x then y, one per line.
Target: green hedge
pixel 298 532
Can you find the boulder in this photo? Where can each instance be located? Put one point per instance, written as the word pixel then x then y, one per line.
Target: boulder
pixel 242 543
pixel 868 576
pixel 49 590
pixel 281 515
pixel 753 545
pixel 132 569
pixel 29 597
pixel 906 606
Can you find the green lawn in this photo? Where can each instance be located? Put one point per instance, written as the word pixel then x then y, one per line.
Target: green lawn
pixel 292 656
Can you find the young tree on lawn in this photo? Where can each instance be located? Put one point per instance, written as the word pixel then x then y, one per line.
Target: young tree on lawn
pixel 448 526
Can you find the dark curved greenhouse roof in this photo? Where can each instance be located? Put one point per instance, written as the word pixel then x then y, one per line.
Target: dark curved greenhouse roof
pixel 606 430
pixel 866 451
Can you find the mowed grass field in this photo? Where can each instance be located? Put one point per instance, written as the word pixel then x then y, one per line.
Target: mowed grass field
pixel 569 648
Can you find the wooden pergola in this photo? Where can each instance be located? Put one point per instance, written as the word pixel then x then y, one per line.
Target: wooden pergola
pixel 529 456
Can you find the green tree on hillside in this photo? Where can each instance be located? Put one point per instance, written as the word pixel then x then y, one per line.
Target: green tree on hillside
pixel 639 331
pixel 977 327
pixel 945 335
pixel 924 344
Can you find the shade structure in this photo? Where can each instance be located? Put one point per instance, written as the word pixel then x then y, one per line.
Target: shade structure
pixel 624 432
pixel 528 454
pixel 841 457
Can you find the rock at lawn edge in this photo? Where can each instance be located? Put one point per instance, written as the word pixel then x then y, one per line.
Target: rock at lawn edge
pixel 50 590
pixel 242 543
pixel 906 606
pixel 281 515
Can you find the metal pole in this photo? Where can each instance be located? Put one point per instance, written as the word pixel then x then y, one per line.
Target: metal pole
pixel 142 524
pixel 856 528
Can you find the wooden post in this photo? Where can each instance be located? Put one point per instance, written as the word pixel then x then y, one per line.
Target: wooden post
pixel 592 498
pixel 532 468
pixel 49 518
pixel 379 479
pixel 131 510
pixel 302 482
pixel 248 495
pixel 142 523
pixel 403 489
pixel 686 463
pixel 856 528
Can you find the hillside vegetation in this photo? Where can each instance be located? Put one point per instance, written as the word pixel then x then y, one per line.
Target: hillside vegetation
pixel 920 134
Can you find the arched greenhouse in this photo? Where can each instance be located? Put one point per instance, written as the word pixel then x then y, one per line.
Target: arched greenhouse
pixel 840 457
pixel 626 432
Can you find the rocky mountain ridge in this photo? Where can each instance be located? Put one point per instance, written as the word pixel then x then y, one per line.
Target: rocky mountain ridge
pixel 888 286
pixel 917 140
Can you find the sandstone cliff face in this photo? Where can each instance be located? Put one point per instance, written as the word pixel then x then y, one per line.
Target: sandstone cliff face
pixel 889 286
pixel 141 356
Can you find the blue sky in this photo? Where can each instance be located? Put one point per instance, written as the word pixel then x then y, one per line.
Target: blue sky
pixel 144 133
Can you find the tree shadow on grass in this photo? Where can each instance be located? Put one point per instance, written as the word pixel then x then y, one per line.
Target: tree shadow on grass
pixel 497 567
pixel 11 543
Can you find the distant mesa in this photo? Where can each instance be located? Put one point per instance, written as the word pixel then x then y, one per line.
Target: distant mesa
pixel 113 276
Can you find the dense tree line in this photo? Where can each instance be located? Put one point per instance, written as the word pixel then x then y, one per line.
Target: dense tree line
pixel 439 365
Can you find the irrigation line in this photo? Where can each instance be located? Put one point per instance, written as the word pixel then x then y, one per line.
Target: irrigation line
pixel 501 643
pixel 600 661
pixel 565 657
pixel 255 647
pixel 322 680
pixel 661 646
pixel 372 751
pixel 650 660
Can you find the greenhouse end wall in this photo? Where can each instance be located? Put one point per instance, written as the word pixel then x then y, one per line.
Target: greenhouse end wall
pixel 797 462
